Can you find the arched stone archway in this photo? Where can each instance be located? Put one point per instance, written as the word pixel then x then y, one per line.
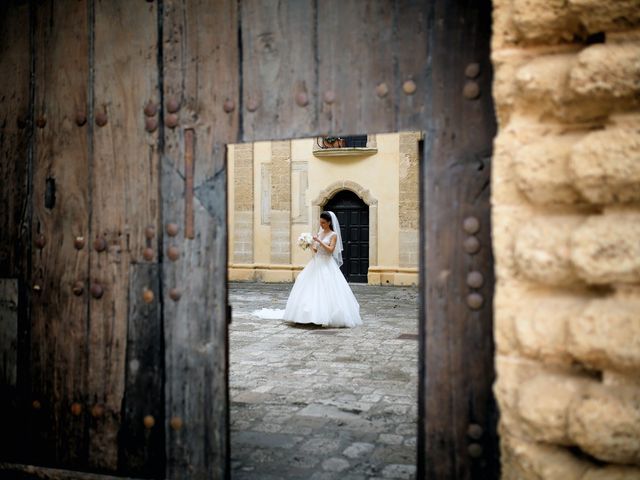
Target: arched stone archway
pixel 325 195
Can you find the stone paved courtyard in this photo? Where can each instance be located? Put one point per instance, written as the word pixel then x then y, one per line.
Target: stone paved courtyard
pixel 316 403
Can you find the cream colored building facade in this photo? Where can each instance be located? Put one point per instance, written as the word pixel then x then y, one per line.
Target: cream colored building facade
pixel 566 238
pixel 277 190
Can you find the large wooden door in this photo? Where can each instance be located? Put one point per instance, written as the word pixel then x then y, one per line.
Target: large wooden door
pixel 113 243
pixel 113 302
pixel 353 215
pixel 89 391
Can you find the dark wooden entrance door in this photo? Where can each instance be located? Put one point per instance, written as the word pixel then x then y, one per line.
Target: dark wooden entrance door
pixel 112 326
pixel 353 215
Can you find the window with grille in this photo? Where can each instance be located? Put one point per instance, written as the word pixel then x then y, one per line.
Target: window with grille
pixel 356 141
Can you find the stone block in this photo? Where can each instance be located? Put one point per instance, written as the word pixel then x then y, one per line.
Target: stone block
pixel 504 31
pixel 542 249
pixel 405 279
pixel 523 460
pixel 573 88
pixel 605 423
pixel 243 177
pixel 281 175
pixel 543 82
pixel 387 278
pixel 606 248
pixel 506 309
pixel 243 237
pixel 558 21
pixel 605 166
pixel 409 241
pixel 606 335
pixel 545 21
pixel 561 249
pixel 544 403
pixel 597 16
pixel 351 185
pixel 504 91
pixel 564 409
pixel 607 71
pixel 506 223
pixel 408 186
pixel 241 274
pixel 543 173
pixel 513 371
pixel 374 278
pixel 541 325
pixel 280 237
pixel 504 180
pixel 274 275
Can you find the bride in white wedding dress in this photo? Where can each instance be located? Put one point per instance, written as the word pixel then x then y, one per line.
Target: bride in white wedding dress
pixel 320 294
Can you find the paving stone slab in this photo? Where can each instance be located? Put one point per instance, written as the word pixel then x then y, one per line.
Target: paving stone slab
pixel 358 449
pixel 264 439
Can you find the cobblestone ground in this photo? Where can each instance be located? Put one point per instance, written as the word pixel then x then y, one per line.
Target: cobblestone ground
pixel 317 403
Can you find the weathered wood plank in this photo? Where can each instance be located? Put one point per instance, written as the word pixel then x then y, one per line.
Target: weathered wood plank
pixel 125 200
pixel 15 65
pixel 142 430
pixel 355 55
pixel 278 69
pixel 456 361
pixel 201 73
pixel 58 332
pixel 15 129
pixel 8 334
pixel 9 365
pixel 411 52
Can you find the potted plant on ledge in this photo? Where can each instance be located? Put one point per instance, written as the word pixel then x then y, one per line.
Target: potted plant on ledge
pixel 333 142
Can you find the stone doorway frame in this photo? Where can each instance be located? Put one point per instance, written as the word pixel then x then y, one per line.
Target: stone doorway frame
pixel 365 195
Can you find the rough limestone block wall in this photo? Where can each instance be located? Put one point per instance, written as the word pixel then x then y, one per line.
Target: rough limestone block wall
pixel 281 202
pixel 243 203
pixel 409 199
pixel 566 226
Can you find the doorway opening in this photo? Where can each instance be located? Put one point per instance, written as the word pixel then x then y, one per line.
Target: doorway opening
pixel 353 215
pixel 309 400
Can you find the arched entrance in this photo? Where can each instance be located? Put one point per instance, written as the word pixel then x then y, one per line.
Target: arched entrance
pixel 353 215
pixel 328 194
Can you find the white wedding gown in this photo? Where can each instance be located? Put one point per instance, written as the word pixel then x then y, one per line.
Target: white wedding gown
pixel 320 295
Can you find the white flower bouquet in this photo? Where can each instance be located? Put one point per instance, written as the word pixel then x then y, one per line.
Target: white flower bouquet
pixel 305 240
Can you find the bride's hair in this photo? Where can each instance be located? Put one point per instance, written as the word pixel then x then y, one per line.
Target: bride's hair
pixel 327 217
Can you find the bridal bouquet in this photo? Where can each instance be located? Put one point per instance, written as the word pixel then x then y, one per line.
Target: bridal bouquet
pixel 305 240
